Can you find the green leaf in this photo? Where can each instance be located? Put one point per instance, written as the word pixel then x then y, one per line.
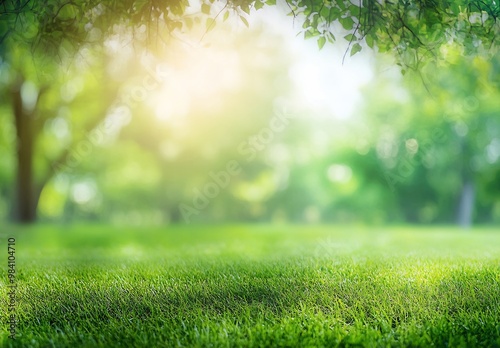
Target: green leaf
pixel 210 24
pixel 341 4
pixel 325 12
pixel 29 31
pixel 321 42
pixel 271 2
pixel 258 5
pixel 455 8
pixel 314 22
pixel 176 10
pixel 188 22
pixel 334 14
pixel 244 20
pixel 308 34
pixel 177 25
pixel 349 37
pixel 245 8
pixel 355 49
pixel 205 8
pixel 354 10
pixel 346 22
pixel 67 12
pixel 330 37
pixel 369 41
pixel 226 16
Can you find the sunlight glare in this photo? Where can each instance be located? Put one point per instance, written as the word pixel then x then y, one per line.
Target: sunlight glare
pixel 200 79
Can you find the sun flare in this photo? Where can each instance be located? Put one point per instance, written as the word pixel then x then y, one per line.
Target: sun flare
pixel 198 81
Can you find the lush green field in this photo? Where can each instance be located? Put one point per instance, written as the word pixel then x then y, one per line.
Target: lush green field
pixel 98 286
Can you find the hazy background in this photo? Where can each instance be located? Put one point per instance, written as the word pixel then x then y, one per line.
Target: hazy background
pixel 257 125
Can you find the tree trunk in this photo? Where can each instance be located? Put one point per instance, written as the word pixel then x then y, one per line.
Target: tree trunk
pixel 25 200
pixel 466 204
pixel 467 197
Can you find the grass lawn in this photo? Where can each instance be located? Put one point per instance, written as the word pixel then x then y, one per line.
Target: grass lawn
pixel 230 286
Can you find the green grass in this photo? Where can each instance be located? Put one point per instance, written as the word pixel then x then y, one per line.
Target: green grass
pixel 259 286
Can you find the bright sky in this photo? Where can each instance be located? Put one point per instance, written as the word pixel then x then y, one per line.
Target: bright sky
pixel 322 85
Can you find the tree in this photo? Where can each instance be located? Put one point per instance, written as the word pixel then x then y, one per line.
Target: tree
pixel 39 44
pixel 56 29
pixel 41 96
pixel 414 29
pixel 437 147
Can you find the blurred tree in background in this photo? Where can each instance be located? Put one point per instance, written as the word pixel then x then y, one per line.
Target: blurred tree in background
pixel 83 136
pixel 438 147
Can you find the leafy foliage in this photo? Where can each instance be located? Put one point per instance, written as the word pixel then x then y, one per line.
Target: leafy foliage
pixel 425 35
pixel 414 29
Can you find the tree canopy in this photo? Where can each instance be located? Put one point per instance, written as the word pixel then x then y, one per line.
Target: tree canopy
pixel 414 29
pixel 55 56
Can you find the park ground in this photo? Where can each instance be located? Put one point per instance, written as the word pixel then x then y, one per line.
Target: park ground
pixel 253 286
